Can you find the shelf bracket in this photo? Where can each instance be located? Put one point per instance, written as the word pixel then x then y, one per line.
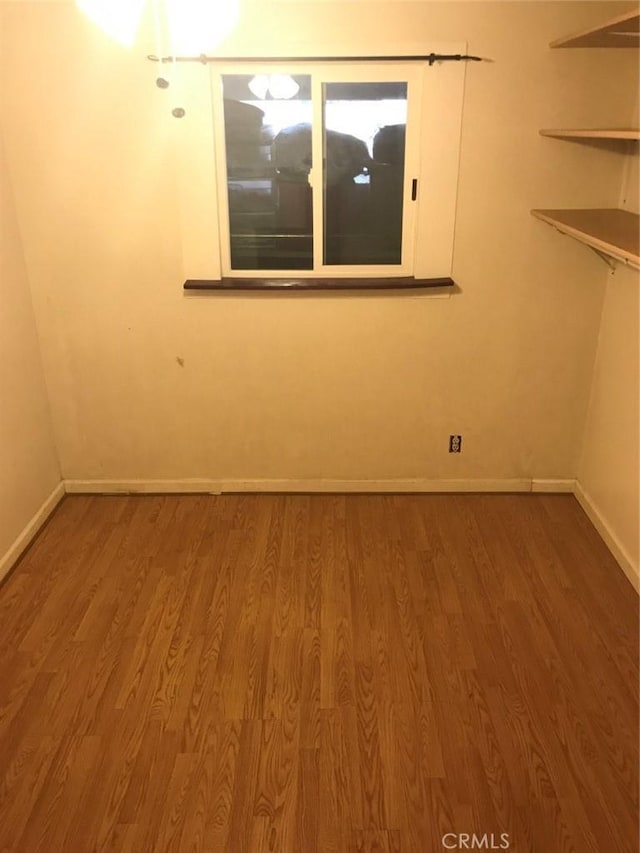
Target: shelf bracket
pixel 612 263
pixel 610 260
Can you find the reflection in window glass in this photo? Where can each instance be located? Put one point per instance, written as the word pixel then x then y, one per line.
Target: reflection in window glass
pixel 364 152
pixel 268 149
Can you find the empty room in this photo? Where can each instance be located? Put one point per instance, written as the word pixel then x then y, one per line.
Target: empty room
pixel 319 432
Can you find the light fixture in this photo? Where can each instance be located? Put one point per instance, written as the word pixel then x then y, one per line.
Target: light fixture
pixel 259 86
pixel 281 87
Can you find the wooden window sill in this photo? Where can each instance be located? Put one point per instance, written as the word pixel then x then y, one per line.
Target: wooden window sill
pixel 286 284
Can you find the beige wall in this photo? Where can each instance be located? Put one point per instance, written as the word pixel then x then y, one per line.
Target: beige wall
pixel 610 465
pixel 28 462
pixel 609 471
pixel 311 386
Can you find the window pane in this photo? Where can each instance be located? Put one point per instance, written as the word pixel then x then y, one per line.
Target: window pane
pixel 364 147
pixel 268 146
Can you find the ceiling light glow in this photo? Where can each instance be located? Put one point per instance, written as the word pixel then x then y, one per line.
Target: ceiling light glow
pixel 119 19
pixel 198 26
pixel 188 26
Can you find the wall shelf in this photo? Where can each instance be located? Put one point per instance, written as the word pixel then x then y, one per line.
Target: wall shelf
pixel 613 232
pixel 622 31
pixel 610 232
pixel 620 133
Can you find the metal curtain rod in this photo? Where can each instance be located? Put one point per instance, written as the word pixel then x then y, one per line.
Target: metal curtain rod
pixel 431 58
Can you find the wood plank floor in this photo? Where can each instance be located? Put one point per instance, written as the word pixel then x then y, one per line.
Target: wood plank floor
pixel 318 673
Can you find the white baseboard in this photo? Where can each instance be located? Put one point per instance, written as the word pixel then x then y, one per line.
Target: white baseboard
pixel 549 487
pixel 28 534
pixel 143 487
pixel 216 487
pixel 631 569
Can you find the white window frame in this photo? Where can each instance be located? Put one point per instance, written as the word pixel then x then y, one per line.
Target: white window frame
pixel 320 74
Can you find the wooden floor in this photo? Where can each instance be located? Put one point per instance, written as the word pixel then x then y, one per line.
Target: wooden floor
pixel 318 673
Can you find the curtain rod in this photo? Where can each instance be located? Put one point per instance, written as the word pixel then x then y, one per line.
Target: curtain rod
pixel 431 58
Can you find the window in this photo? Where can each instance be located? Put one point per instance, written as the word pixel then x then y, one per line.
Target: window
pixel 318 170
pixel 306 171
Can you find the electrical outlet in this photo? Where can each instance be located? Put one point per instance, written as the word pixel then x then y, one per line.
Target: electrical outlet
pixel 455 443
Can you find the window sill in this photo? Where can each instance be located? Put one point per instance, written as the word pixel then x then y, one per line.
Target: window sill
pixel 280 284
